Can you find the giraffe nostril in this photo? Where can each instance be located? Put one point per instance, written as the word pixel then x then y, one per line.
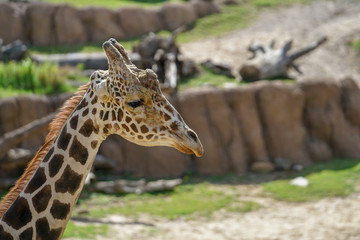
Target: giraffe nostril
pixel 192 135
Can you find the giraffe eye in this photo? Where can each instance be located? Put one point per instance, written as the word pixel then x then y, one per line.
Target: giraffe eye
pixel 135 104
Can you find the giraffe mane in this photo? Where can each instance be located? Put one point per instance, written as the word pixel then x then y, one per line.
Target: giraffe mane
pixel 55 127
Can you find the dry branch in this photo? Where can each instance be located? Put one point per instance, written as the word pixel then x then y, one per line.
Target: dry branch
pixel 267 62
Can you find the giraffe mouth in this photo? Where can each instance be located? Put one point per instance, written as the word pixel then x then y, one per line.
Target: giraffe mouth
pixel 198 150
pixel 188 142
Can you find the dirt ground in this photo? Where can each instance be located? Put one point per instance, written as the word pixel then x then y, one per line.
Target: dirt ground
pixel 338 20
pixel 331 218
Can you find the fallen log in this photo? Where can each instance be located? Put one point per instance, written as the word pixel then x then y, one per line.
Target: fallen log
pixel 138 187
pixel 218 68
pixel 267 62
pixel 15 137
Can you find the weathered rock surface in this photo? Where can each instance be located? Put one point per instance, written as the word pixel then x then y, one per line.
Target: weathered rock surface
pixel 153 21
pixel 203 8
pixel 281 113
pixel 245 128
pixel 350 101
pixel 242 102
pixel 137 21
pixel 103 26
pixel 176 15
pixel 19 111
pixel 132 20
pixel 325 117
pixel 11 22
pixel 194 109
pixel 69 28
pixel 40 22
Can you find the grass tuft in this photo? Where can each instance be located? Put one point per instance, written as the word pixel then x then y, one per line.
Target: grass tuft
pixel 88 231
pixel 113 4
pixel 356 44
pixel 276 3
pixel 184 201
pixel 205 78
pixel 27 76
pixel 230 19
pixel 244 206
pixel 337 178
pixel 83 48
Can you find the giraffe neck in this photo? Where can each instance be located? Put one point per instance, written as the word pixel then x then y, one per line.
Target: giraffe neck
pixel 43 208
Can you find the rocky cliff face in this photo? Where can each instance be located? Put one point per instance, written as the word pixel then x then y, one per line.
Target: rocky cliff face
pixel 47 24
pixel 241 128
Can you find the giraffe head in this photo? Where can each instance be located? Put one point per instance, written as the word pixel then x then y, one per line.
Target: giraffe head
pixel 131 104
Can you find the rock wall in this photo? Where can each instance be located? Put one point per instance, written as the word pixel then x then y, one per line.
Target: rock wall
pixel 19 111
pixel 241 128
pixel 40 23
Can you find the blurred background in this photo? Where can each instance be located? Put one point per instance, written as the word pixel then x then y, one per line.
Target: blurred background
pixel 270 87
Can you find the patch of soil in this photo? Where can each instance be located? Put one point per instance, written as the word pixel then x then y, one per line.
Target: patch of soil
pixel 338 20
pixel 330 218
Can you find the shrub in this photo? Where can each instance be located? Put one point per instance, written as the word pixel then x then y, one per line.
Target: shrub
pixel 31 77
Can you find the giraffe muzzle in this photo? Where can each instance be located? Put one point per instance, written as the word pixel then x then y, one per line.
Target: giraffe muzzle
pixel 191 144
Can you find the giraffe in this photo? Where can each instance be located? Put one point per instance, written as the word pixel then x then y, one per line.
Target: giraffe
pixel 123 100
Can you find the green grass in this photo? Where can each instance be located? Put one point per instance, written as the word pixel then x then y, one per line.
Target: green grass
pixel 275 3
pixel 356 44
pixel 5 93
pixel 113 4
pixel 185 200
pixel 56 49
pixel 230 19
pixel 28 77
pixel 202 196
pixel 84 48
pixel 337 178
pixel 206 77
pixel 244 206
pixel 88 231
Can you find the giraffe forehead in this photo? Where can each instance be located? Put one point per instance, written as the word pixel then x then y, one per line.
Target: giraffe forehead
pixel 143 83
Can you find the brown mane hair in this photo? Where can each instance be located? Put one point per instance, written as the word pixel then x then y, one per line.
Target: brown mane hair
pixel 55 127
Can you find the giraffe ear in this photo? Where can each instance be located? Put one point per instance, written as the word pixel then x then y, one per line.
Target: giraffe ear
pixel 102 90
